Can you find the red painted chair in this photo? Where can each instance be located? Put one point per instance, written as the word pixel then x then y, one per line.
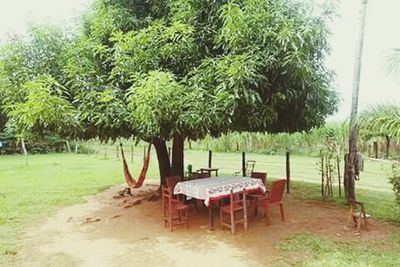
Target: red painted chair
pixel 171 181
pixel 260 175
pixel 237 211
pixel 256 196
pixel 274 197
pixel 174 211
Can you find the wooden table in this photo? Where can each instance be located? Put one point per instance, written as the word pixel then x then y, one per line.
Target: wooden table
pixel 209 170
pixel 216 188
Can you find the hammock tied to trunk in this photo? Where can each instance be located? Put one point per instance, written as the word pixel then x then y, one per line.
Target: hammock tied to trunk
pixel 128 177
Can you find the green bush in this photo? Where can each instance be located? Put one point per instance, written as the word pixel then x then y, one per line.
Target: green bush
pixel 395 181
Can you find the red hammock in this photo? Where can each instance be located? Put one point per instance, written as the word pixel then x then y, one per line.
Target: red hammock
pixel 128 177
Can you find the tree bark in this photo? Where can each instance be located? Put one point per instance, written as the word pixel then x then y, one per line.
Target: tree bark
pixel 177 156
pixel 387 146
pixel 164 164
pixel 76 146
pixel 376 149
pixel 68 146
pixel 24 151
pixel 350 171
pixel 23 147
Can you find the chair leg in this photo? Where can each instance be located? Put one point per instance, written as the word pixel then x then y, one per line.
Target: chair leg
pixel 366 223
pixel 221 218
pixel 350 216
pixel 266 214
pixel 282 213
pixel 355 221
pixel 245 218
pixel 232 223
pixel 186 218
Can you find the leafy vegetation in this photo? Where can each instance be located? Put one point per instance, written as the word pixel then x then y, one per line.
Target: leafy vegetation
pixel 394 179
pixel 171 70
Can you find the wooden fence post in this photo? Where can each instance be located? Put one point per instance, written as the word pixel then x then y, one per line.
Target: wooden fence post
pixel 244 164
pixel 376 149
pixel 209 158
pixel 117 152
pixel 287 172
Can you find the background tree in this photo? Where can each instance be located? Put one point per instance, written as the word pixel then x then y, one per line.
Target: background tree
pixel 176 70
pixel 31 77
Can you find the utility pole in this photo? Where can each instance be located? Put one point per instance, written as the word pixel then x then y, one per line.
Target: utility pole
pixel 350 169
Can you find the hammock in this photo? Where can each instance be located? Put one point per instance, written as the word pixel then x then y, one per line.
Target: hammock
pixel 128 177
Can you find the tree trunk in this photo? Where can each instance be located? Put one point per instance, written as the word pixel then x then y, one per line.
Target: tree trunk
pixel 23 146
pixel 350 172
pixel 24 151
pixel 350 165
pixel 76 146
pixel 177 156
pixel 338 173
pixel 68 146
pixel 387 146
pixel 376 149
pixel 163 159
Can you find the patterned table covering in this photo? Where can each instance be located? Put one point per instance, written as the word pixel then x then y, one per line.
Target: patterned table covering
pixel 217 187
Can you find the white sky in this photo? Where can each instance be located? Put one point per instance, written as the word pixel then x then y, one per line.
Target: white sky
pixel 383 20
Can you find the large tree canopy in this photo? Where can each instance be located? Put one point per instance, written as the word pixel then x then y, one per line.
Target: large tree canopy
pixel 177 69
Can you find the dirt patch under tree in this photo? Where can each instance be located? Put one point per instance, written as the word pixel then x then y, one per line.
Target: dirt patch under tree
pixel 128 231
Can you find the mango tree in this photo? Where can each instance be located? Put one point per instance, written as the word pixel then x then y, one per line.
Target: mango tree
pixel 179 70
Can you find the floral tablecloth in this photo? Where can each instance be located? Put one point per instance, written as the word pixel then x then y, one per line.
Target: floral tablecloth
pixel 217 187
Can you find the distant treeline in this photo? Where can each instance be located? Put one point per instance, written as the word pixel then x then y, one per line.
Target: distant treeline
pixel 300 143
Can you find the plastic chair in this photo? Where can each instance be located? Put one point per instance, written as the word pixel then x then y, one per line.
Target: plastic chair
pixel 274 197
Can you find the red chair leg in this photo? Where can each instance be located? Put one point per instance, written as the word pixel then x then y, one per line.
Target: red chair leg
pixel 266 213
pixel 232 223
pixel 282 213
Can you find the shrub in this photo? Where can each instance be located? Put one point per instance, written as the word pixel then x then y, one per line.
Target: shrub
pixel 395 181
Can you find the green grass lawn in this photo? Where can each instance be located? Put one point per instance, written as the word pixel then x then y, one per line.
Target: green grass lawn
pixel 31 193
pixel 306 249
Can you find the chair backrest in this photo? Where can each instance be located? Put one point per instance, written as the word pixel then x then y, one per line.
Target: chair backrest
pixel 172 181
pixel 250 164
pixel 237 198
pixel 260 175
pixel 276 192
pixel 357 205
pixel 199 175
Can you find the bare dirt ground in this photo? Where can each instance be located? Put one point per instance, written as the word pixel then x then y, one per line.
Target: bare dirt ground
pixel 102 232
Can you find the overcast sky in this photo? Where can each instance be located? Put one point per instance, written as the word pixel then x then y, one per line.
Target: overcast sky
pixel 382 35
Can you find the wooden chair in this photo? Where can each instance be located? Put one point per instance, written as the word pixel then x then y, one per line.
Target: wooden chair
pixel 254 197
pixel 249 168
pixel 274 196
pixel 171 181
pixel 260 175
pixel 357 213
pixel 174 211
pixel 237 211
